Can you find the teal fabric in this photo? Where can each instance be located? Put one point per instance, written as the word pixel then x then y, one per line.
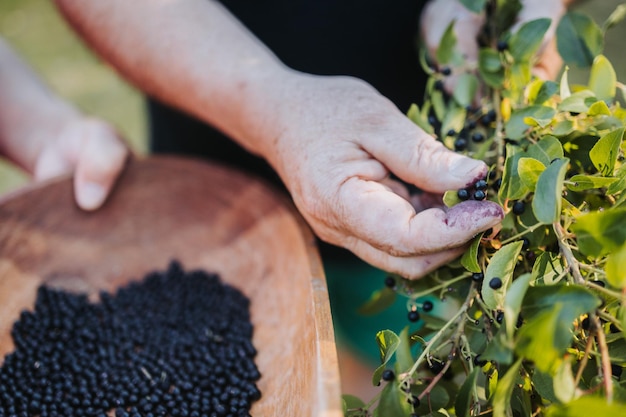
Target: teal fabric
pixel 351 283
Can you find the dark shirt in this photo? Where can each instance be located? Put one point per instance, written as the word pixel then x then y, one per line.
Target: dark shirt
pixel 374 40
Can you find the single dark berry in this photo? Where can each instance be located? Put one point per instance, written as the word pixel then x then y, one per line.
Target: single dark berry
pixel 502 46
pixel 530 256
pixel 585 324
pixel 613 328
pixel 478 361
pixel 479 195
pixel 436 367
pixel 445 71
pixel 520 320
pixel 497 184
pixel 478 276
pixel 495 283
pixel 438 85
pixel 413 400
pixel 427 306
pixel 500 316
pixel 478 137
pixel 451 132
pixel 480 185
pixel 463 194
pixel 470 124
pixel 519 207
pixel 413 316
pixel 460 144
pixel 388 375
pixel 390 281
pixel 525 243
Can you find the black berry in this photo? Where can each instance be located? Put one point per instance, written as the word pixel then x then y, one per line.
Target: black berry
pixel 388 375
pixel 616 370
pixel 451 132
pixel 525 243
pixel 427 306
pixel 502 46
pixel 413 400
pixel 438 85
pixel 445 71
pixel 519 207
pixel 480 185
pixel 463 194
pixel 390 281
pixel 478 137
pixel 460 144
pixel 478 276
pixel 413 316
pixel 479 195
pixel 495 283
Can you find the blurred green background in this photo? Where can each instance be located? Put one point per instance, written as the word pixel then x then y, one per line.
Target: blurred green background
pixel 37 31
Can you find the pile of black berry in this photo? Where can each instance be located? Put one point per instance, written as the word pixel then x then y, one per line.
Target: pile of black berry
pixel 175 344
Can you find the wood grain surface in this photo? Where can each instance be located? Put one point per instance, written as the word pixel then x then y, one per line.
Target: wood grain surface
pixel 205 216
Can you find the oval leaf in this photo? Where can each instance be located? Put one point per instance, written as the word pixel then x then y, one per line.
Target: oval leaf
pixel 525 42
pixel 501 265
pixel 469 260
pixel 547 200
pixel 588 182
pixel 529 170
pixel 579 39
pixel 605 152
pixel 602 79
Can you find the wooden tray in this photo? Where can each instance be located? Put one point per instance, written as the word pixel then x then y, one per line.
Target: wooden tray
pixel 206 216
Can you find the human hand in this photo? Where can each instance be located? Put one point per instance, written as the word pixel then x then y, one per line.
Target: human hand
pixel 438 14
pixel 92 151
pixel 339 142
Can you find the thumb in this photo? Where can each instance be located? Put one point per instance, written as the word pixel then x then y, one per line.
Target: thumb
pixel 418 158
pixel 100 161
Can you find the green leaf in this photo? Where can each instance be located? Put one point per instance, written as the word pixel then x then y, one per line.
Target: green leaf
pixel 499 349
pixel 547 200
pixel 504 389
pixel 350 402
pixel 546 150
pixel 577 102
pixel 605 152
pixel 512 187
pixel 586 406
pixel 379 301
pixel 416 117
pixel 501 265
pixel 600 232
pixel 602 79
pixel 392 402
pixel 546 92
pixel 404 358
pixel 454 118
pixel 576 301
pixel 539 340
pixel 451 198
pixel 447 44
pixel 388 342
pixel 563 128
pixel 564 90
pixel 463 402
pixel 614 268
pixel 543 383
pixel 465 89
pixel 599 108
pixel 617 16
pixel 547 268
pixel 588 182
pixel 564 385
pixel 620 184
pixel 489 60
pixel 469 260
pixel 516 127
pixel 529 170
pixel 475 6
pixel 579 39
pixel 513 302
pixel 525 42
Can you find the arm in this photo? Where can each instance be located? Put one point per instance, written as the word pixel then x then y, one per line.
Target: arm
pixel 333 140
pixel 46 136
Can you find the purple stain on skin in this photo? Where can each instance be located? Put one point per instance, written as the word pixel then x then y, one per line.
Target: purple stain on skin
pixel 467 215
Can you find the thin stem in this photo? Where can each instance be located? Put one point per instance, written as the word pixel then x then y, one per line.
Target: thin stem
pixel 606 360
pixel 440 286
pixel 530 229
pixel 583 362
pixel 572 263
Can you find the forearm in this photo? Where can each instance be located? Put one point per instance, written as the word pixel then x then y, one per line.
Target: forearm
pixel 192 54
pixel 29 112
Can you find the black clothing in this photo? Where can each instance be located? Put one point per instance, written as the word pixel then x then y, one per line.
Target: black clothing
pixel 374 40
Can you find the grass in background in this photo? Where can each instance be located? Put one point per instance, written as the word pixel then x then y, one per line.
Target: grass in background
pixel 37 31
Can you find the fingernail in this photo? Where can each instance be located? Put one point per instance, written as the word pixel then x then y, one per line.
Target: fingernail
pixel 469 170
pixel 90 196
